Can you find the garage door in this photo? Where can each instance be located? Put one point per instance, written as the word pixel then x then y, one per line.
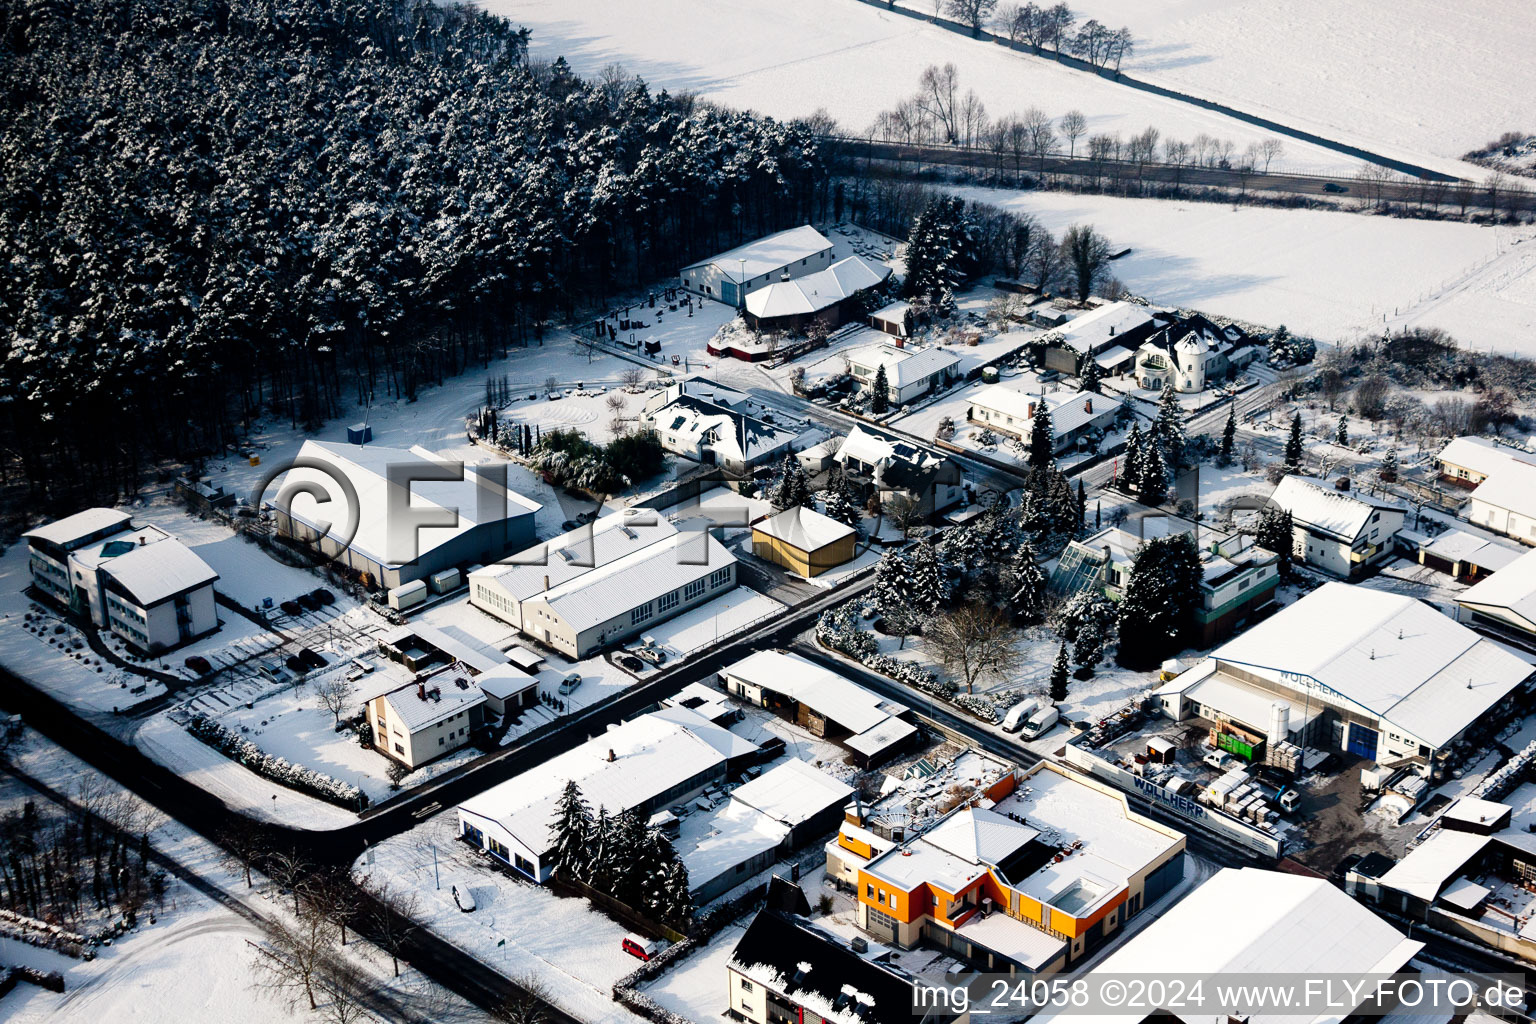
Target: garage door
pixel 1362 741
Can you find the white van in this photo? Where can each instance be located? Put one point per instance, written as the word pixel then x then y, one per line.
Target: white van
pixel 1039 723
pixel 1014 720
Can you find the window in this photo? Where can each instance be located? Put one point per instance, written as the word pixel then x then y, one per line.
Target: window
pixel 880 897
pixel 399 749
pixel 869 891
pixel 668 601
pixel 746 986
pixel 640 614
pixel 720 577
pixel 694 589
pixel 439 741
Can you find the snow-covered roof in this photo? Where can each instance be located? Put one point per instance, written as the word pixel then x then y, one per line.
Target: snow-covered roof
pixel 980 836
pixel 1098 328
pixel 1269 922
pixel 1238 700
pixel 504 681
pixel 793 792
pixel 624 583
pixel 804 528
pixel 1512 588
pixel 819 972
pixel 1007 936
pixel 1314 504
pixel 447 693
pixel 816 292
pixel 829 694
pixel 1461 546
pixel 894 313
pixel 571 555
pixel 767 254
pixel 1477 811
pixel 715 844
pixel 903 366
pixel 878 449
pixel 652 754
pixel 321 464
pixel 728 431
pixel 877 738
pixel 1391 655
pixel 73 529
pixel 1481 454
pixel 472 653
pixel 1070 409
pixel 1434 862
pixel 156 572
pixel 1511 486
pixel 1113 356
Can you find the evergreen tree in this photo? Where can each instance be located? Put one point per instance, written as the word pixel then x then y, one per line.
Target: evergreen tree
pixel 1158 608
pixel 880 392
pixel 1168 428
pixel 1089 650
pixel 1341 437
pixel 625 867
pixel 1295 451
pixel 1276 531
pixel 1081 509
pixel 572 830
pixel 599 871
pixel 1389 465
pixel 1027 583
pixel 679 897
pixel 929 591
pixel 1059 669
pixel 841 506
pixel 1228 438
pixel 1042 438
pixel 793 489
pixel 1130 469
pixel 941 250
pixel 1152 488
pixel 893 594
pixel 1092 375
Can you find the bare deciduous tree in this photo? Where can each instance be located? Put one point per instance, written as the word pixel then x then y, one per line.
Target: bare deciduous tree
pixel 390 912
pixel 1073 125
pixel 290 956
pixel 974 641
pixel 242 843
pixel 335 695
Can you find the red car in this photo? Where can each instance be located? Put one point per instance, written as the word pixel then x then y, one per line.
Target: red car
pixel 634 945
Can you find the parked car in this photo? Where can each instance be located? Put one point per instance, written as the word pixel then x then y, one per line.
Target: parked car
pixel 569 683
pixel 311 659
pixel 638 946
pixel 325 597
pixel 1014 720
pixel 654 655
pixel 1039 723
pixel 464 898
pixel 199 664
pixel 309 602
pixel 291 608
pixel 1333 186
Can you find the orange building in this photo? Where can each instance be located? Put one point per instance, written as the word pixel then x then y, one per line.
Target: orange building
pixel 1023 879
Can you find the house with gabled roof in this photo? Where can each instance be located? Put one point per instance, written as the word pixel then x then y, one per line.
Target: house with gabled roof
pixel 1340 533
pixel 901 470
pixel 832 295
pixel 715 425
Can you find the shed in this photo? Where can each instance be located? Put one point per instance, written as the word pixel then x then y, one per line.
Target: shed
pixel 804 541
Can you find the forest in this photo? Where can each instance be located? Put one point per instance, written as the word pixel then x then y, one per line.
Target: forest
pixel 219 211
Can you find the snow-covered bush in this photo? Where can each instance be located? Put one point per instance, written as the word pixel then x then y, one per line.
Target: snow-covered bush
pixel 279 770
pixel 840 630
pixel 980 707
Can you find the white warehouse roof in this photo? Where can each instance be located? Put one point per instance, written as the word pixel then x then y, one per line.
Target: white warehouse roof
pixel 1429 866
pixel 570 555
pixel 842 700
pixel 70 529
pixel 1252 921
pixel 793 792
pixel 624 583
pixel 767 254
pixel 1394 656
pixel 816 292
pixel 1512 587
pixel 321 464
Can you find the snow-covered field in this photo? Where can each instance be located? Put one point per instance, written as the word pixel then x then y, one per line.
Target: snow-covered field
pixel 1333 275
pixel 1407 78
pixel 787 58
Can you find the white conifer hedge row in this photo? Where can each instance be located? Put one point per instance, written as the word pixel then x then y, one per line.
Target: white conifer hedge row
pixel 278 769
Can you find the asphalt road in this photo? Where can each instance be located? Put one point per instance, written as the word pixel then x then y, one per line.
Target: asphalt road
pixel 1397 191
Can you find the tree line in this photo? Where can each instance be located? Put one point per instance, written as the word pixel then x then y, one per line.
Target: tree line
pixel 216 211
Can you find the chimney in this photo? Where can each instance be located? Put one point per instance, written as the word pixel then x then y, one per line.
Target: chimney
pixel 1111 330
pixel 421 690
pixel 1031 410
pixel 611 755
pixel 1087 405
pixel 546 581
pixel 141 540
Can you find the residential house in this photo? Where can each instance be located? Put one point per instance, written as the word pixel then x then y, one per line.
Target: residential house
pixel 1032 877
pixel 1506 502
pixel 1342 534
pixel 825 703
pixel 895 319
pixel 710 424
pixel 1381 676
pixel 834 295
pixel 1111 334
pixel 604 583
pixel 1504 604
pixel 1077 417
pixel 901 470
pixel 732 275
pixel 402 514
pixel 139 582
pixel 426 719
pixel 910 373
pixel 804 541
pixel 648 763
pixel 1468 461
pixel 1238 578
pixel 1193 353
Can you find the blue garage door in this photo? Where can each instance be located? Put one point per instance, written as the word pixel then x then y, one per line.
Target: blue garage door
pixel 1362 741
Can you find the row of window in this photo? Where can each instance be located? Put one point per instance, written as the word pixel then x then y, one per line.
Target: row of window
pixel 880 895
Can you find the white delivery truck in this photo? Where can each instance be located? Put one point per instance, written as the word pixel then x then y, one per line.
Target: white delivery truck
pixel 1013 721
pixel 1039 723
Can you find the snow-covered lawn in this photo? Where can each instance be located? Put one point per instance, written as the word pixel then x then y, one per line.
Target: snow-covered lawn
pixel 1332 275
pixel 517 928
pixel 1389 75
pixel 792 57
